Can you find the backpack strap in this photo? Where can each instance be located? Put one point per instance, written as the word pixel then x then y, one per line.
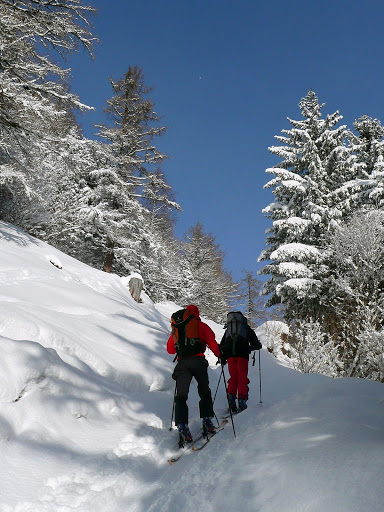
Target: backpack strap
pixel 184 322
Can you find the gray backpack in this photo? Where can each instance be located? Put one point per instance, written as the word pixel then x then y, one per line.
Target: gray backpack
pixel 236 333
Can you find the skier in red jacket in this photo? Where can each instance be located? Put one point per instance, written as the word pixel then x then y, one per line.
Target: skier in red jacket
pixel 193 364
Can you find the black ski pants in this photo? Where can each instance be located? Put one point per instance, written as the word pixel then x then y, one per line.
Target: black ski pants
pixel 185 369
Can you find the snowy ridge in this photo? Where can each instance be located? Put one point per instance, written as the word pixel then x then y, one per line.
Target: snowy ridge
pixel 86 399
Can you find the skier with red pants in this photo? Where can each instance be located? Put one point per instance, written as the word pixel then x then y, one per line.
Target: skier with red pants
pixel 189 339
pixel 238 342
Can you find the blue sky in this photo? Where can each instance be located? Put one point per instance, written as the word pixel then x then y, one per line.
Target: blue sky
pixel 225 76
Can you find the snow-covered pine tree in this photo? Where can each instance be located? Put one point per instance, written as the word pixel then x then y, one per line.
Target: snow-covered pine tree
pixel 67 178
pixel 314 161
pixel 375 189
pixel 162 265
pixel 34 95
pixel 124 179
pixel 135 126
pixel 113 217
pixel 249 300
pixel 369 359
pixel 367 144
pixel 356 286
pixel 311 352
pixel 159 199
pixel 210 286
pixel 55 184
pixel 365 188
pixel 162 254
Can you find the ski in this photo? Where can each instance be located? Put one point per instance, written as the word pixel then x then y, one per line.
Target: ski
pixel 225 417
pixel 184 449
pixel 228 415
pixel 207 438
pixel 192 446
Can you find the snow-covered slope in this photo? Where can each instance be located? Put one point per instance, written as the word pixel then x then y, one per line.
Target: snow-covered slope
pixel 86 400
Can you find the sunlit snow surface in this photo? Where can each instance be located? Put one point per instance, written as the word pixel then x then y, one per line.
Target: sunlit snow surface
pixel 86 401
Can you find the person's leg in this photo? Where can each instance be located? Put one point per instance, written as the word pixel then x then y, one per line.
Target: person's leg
pixel 200 372
pixel 233 379
pixel 183 377
pixel 242 372
pixel 243 382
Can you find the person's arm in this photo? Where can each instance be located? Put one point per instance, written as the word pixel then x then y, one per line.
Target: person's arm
pixel 209 338
pixel 222 347
pixel 171 349
pixel 253 340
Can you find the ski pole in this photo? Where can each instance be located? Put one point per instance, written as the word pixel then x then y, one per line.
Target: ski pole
pixel 214 398
pixel 217 388
pixel 229 407
pixel 260 401
pixel 173 407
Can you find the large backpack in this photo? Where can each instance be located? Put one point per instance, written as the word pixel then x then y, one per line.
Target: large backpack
pixel 185 332
pixel 236 343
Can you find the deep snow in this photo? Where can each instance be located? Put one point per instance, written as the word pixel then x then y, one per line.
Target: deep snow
pixel 86 400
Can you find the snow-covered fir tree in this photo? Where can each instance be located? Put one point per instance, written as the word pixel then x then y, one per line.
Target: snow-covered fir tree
pixel 368 362
pixel 68 227
pixel 211 286
pixel 326 241
pixel 106 202
pixel 310 351
pixel 51 215
pixel 34 93
pixel 367 144
pixel 366 188
pixel 123 178
pixel 314 162
pixel 248 299
pixel 356 284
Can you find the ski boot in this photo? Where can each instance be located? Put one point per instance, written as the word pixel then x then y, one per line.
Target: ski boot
pixel 232 404
pixel 185 435
pixel 242 404
pixel 208 427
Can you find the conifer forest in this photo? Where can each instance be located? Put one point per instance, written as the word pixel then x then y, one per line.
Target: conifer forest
pixel 108 203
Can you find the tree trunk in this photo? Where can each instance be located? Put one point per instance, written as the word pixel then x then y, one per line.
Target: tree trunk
pixel 109 257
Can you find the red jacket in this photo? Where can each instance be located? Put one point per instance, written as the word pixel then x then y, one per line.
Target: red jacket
pixel 206 335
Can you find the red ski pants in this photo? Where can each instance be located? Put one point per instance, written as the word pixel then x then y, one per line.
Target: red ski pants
pixel 238 382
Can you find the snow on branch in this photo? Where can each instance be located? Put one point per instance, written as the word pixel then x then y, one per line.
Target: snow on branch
pixel 296 251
